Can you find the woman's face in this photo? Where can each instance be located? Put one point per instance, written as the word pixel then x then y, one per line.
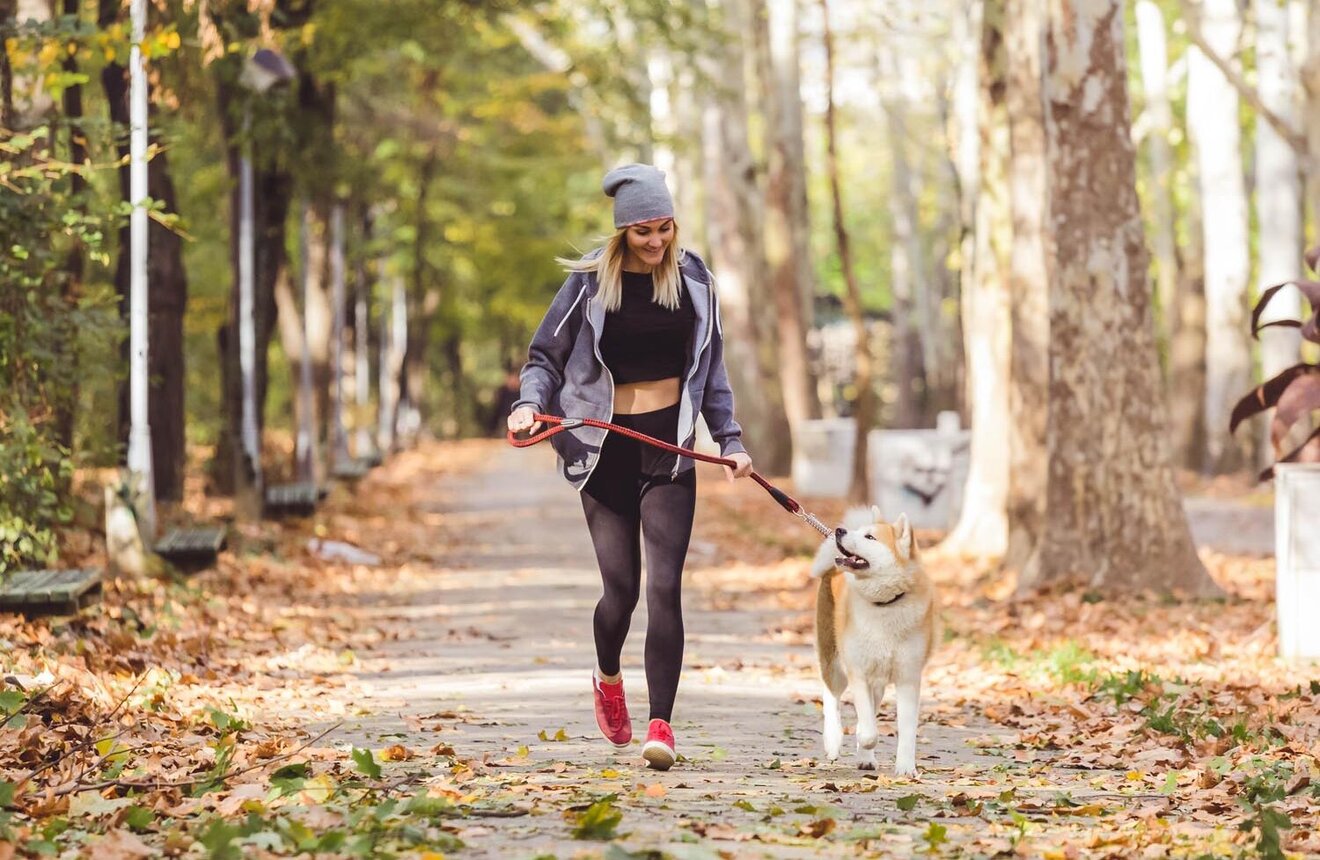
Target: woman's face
pixel 648 240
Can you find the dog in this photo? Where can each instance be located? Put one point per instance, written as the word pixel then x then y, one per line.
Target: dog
pixel 875 624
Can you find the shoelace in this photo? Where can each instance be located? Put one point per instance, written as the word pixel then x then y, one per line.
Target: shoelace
pixel 614 710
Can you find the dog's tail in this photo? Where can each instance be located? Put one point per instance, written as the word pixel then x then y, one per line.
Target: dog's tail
pixel 827 638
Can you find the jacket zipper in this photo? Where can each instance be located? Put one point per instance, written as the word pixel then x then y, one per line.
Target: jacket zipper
pixel 595 346
pixel 696 360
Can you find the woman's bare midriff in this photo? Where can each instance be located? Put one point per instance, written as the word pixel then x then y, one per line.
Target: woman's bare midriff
pixel 632 398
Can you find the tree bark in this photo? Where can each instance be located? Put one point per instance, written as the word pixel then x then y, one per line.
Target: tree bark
pixel 1159 114
pixel 8 16
pixel 1212 118
pixel 1278 193
pixel 66 402
pixel 1113 517
pixel 1311 84
pixel 423 299
pixel 1029 277
pixel 274 187
pixel 781 98
pixel 859 491
pixel 733 207
pixel 982 528
pixel 911 310
pixel 167 296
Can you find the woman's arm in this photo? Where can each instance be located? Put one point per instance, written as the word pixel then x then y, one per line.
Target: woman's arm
pixel 543 374
pixel 717 402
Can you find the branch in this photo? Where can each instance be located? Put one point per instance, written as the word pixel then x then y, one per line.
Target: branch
pixel 188 783
pixel 1290 135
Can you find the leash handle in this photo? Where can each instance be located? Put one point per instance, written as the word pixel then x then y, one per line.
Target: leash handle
pixel 557 424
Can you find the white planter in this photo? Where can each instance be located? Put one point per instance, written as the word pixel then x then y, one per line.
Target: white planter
pixel 1297 558
pixel 823 457
pixel 921 473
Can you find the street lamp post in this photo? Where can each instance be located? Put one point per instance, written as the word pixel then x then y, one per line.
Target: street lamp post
pixel 139 434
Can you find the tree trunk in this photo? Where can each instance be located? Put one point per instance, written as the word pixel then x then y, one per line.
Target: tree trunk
pixel 8 15
pixel 274 191
pixel 1159 117
pixel 982 528
pixel 1187 349
pixel 1212 118
pixel 1029 278
pixel 424 299
pixel 1113 515
pixel 733 223
pixel 66 402
pixel 167 297
pixel 1278 192
pixel 1311 84
pixel 293 340
pixel 779 78
pixel 859 491
pixel 911 301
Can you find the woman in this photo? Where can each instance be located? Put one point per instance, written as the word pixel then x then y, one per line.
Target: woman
pixel 634 337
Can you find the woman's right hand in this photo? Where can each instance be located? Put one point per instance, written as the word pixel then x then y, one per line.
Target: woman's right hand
pixel 523 418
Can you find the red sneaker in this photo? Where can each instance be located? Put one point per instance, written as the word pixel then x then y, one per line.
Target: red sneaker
pixel 612 712
pixel 659 749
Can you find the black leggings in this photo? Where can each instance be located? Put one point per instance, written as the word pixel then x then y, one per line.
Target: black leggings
pixel 631 496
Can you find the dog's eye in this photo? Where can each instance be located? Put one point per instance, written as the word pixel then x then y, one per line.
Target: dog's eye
pixel 870 537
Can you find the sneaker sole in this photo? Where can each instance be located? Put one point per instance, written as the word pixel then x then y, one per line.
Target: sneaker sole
pixel 658 756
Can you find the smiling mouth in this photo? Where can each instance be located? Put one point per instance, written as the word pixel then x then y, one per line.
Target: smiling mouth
pixel 852 561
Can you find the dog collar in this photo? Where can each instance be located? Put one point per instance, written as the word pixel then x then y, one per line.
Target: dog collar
pixel 891 600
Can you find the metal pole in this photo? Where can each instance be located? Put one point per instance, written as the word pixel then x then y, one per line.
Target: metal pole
pixel 340 443
pixel 139 436
pixel 306 468
pixel 247 339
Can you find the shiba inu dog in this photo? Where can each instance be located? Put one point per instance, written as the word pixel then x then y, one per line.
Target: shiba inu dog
pixel 875 623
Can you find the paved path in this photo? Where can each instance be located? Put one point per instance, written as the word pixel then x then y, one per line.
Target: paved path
pixel 502 639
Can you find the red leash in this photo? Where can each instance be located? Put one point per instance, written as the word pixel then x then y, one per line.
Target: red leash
pixel 558 425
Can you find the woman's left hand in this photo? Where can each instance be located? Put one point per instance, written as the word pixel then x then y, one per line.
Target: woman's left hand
pixel 743 466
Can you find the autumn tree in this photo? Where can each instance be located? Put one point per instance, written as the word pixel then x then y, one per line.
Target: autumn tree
pixel 1113 515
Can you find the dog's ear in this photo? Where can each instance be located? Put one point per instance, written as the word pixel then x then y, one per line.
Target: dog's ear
pixel 875 514
pixel 903 539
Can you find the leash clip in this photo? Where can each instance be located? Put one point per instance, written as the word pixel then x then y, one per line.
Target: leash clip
pixel 570 423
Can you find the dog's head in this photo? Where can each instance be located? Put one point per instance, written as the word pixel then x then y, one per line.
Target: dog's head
pixel 872 553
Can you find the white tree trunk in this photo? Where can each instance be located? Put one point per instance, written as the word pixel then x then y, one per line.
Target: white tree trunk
pixel 1030 259
pixel 1278 192
pixel 1311 83
pixel 982 528
pixel 1159 122
pixel 1212 118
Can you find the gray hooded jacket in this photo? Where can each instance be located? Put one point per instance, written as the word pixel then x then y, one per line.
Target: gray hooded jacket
pixel 565 375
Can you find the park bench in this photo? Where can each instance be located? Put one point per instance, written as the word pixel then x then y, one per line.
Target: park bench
pixel 192 549
pixel 350 469
pixel 292 500
pixel 50 592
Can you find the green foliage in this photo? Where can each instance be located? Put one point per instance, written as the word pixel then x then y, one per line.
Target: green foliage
pixel 365 763
pixel 600 820
pixel 32 469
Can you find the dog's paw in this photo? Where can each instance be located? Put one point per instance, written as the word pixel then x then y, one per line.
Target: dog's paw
pixel 867 762
pixel 832 755
pixel 905 768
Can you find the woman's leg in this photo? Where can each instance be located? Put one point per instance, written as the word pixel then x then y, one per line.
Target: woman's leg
pixel 667 508
pixel 610 502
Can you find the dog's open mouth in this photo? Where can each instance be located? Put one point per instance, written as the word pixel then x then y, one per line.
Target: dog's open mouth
pixel 849 560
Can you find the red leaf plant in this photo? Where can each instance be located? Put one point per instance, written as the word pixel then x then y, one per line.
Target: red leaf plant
pixel 1295 393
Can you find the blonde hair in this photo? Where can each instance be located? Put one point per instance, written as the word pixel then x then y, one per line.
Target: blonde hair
pixel 608 266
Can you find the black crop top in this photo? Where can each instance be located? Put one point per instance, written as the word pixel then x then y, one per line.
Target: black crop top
pixel 645 341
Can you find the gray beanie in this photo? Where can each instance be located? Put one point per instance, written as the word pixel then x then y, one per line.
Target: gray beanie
pixel 639 194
